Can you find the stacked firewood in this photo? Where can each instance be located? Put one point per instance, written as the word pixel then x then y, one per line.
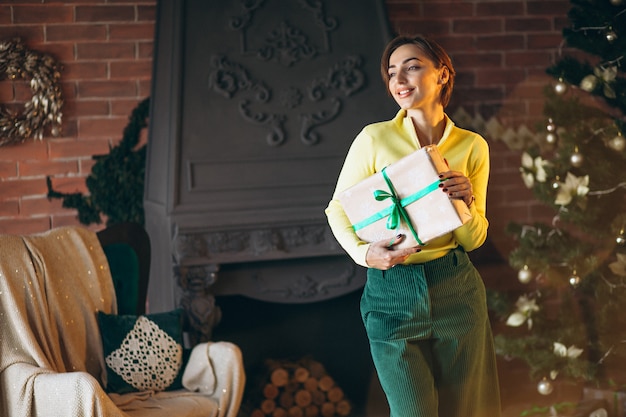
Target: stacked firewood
pixel 300 389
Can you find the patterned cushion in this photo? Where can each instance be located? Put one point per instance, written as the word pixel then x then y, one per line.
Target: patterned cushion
pixel 142 353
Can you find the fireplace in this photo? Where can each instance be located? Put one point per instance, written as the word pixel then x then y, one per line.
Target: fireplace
pixel 254 106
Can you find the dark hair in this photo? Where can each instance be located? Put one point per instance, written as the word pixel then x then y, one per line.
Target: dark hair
pixel 432 50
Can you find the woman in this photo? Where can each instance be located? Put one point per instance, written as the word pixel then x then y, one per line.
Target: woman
pixel 424 308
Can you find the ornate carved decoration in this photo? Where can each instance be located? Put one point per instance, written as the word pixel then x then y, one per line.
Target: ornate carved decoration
pixel 285 43
pixel 307 287
pixel 198 302
pixel 230 79
pixel 248 245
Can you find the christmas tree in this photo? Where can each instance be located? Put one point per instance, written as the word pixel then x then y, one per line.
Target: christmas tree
pixel 569 324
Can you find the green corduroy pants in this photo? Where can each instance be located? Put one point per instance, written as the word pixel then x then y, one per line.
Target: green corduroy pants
pixel 431 339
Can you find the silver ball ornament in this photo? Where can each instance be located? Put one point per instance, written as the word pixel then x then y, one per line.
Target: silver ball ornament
pixel 574 280
pixel 551 127
pixel 551 138
pixel 545 387
pixel 618 143
pixel 524 275
pixel 577 159
pixel 560 87
pixel 621 239
pixel 611 36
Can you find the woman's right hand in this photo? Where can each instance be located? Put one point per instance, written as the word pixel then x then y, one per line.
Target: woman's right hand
pixel 383 255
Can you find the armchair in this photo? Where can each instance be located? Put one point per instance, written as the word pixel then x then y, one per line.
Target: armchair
pixel 52 287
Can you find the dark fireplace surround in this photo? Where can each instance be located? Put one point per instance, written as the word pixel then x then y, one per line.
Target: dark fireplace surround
pixel 254 106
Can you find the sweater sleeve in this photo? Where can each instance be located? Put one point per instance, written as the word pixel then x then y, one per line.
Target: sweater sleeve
pixel 474 233
pixel 356 167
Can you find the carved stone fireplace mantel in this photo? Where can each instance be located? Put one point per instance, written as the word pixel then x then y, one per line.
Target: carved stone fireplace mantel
pixel 254 106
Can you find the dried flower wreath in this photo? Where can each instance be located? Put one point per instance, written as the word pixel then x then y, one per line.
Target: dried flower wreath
pixel 44 108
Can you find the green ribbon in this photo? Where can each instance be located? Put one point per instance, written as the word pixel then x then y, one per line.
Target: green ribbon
pixel 396 211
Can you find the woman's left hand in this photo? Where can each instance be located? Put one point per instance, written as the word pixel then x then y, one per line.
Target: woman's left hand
pixel 457 185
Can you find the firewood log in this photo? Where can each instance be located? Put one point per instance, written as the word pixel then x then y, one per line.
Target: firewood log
pixel 268 406
pixel 279 412
pixel 343 408
pixel 326 383
pixel 301 374
pixel 257 413
pixel 286 400
pixel 335 394
pixel 312 411
pixel 279 377
pixel 303 398
pixel 270 391
pixel 295 411
pixel 328 409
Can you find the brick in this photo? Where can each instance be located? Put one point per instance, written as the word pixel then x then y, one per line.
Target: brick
pixel 18 187
pixel 527 24
pixel 432 28
pixel 446 9
pixel 92 70
pixel 28 150
pixel 88 89
pixel 544 41
pixel 102 127
pixel 43 14
pixel 72 148
pixel 24 226
pixel 69 185
pixel 522 59
pixel 105 50
pixel 60 52
pixel 500 42
pixel 87 108
pixel 40 205
pixel 131 69
pixel 105 13
pixel 547 7
pixel 145 50
pixel 5 16
pixel 145 88
pixel 8 170
pixel 70 218
pixel 45 168
pixel 9 208
pixel 146 13
pixel 488 77
pixel 500 8
pixel 123 107
pixel 76 32
pixel 135 31
pixel 30 32
pixel 476 26
pixel 478 60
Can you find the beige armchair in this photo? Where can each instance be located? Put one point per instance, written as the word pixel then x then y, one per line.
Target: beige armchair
pixel 52 362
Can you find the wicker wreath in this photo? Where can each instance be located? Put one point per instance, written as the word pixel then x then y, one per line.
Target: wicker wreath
pixel 43 111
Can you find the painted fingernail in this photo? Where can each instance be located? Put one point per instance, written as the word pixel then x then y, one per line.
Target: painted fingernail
pixel 445 190
pixel 440 175
pixel 440 185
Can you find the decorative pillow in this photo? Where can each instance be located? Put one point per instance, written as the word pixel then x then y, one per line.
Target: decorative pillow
pixel 142 353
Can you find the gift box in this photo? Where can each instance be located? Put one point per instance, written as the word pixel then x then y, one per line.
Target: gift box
pixel 405 198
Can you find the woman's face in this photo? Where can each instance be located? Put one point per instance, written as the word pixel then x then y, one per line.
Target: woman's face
pixel 414 82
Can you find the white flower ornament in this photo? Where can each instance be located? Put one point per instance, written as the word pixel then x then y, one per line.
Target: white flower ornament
pixel 525 308
pixel 573 186
pixel 566 352
pixel 619 267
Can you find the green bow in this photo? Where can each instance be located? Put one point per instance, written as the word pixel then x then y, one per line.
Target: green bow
pixel 398 212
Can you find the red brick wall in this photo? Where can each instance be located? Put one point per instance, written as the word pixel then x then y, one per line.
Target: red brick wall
pixel 500 49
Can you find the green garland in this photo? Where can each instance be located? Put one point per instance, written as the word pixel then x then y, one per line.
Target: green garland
pixel 116 182
pixel 44 108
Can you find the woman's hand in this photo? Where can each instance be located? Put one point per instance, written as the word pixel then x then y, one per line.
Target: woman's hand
pixel 383 255
pixel 457 185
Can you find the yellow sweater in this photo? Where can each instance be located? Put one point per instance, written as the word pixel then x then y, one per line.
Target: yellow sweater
pixel 379 145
